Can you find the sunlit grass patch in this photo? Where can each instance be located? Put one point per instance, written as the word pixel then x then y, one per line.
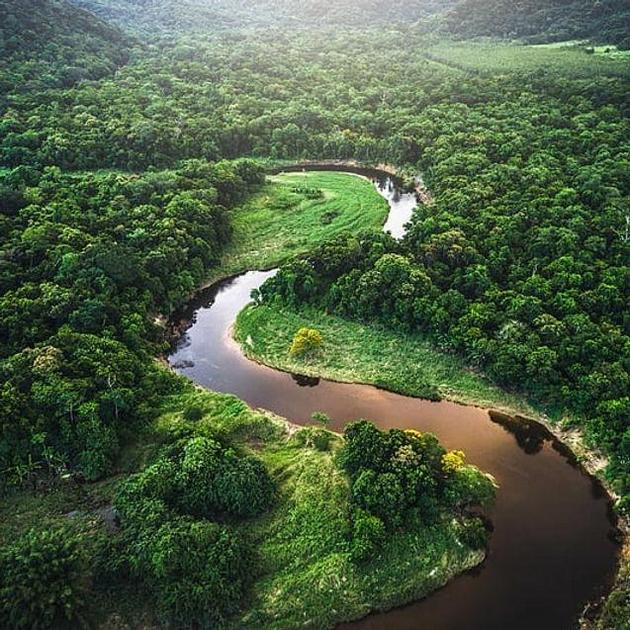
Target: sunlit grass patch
pixel 285 219
pixel 353 352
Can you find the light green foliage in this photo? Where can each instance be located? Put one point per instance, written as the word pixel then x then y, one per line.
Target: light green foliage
pixel 314 437
pixel 42 579
pixel 282 220
pixel 496 57
pixel 366 354
pixel 306 341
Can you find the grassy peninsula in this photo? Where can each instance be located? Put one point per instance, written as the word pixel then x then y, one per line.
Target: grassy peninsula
pixel 358 353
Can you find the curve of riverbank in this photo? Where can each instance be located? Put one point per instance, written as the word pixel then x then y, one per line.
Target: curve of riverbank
pixel 540 571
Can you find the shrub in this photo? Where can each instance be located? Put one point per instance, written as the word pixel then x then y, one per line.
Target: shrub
pixel 306 340
pixel 468 486
pixel 214 480
pixel 243 487
pixel 41 579
pixel 363 448
pixel 382 495
pixel 199 570
pixel 473 533
pixel 314 437
pixel 321 417
pixel 202 478
pixel 368 534
pixel 193 413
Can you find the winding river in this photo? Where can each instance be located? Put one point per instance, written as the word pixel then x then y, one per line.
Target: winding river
pixel 553 547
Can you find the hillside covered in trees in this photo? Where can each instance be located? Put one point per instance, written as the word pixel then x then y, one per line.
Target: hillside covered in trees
pixel 132 137
pixel 50 43
pixel 538 21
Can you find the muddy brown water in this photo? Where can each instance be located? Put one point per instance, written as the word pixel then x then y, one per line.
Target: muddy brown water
pixel 552 549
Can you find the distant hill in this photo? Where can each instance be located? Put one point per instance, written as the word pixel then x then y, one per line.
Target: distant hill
pixel 540 21
pixel 162 16
pixel 535 21
pixel 176 16
pixel 51 43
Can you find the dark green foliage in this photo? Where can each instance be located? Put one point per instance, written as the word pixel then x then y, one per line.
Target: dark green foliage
pixel 200 16
pixel 197 569
pixel 49 43
pixel 92 258
pixel 42 580
pixel 69 400
pixel 381 494
pixel 392 471
pixel 607 21
pixel 473 533
pixel 368 533
pixel 193 413
pixel 214 480
pixel 202 478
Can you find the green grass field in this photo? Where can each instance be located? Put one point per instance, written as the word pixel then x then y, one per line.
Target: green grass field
pixel 279 222
pixel 352 352
pixel 565 58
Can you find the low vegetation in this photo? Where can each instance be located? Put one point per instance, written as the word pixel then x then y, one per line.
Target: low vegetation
pixel 286 218
pixel 358 353
pixel 235 516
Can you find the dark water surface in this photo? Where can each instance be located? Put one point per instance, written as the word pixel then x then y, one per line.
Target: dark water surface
pixel 552 548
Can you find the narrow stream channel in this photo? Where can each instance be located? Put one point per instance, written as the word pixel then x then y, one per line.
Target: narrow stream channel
pixel 552 549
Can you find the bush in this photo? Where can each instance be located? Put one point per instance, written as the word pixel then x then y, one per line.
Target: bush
pixel 368 534
pixel 382 495
pixel 193 413
pixel 363 448
pixel 306 340
pixel 41 580
pixel 468 486
pixel 199 570
pixel 314 437
pixel 473 533
pixel 243 487
pixel 214 480
pixel 202 478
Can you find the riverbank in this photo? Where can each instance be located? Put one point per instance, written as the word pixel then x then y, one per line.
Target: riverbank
pixel 410 365
pixel 303 573
pixel 355 353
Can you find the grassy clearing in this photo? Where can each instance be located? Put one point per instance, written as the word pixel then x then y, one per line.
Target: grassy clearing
pixel 281 221
pixel 498 58
pixel 353 352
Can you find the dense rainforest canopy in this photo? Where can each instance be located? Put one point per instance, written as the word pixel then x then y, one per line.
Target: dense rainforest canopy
pixel 123 150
